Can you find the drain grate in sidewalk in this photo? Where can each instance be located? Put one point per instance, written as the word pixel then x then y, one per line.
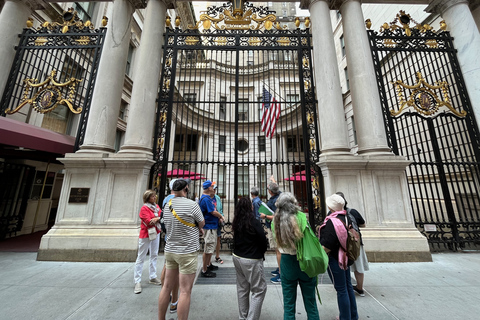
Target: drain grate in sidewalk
pixel 227 275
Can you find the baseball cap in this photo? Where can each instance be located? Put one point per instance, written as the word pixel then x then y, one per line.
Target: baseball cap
pixel 180 184
pixel 207 184
pixel 171 183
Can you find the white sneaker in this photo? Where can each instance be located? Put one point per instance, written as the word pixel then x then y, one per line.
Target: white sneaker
pixel 155 281
pixel 138 288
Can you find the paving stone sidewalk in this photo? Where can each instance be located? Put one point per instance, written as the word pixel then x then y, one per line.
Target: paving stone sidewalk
pixel 447 288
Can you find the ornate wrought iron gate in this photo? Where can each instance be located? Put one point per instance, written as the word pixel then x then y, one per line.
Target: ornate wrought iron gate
pixel 219 78
pixel 429 120
pixel 55 66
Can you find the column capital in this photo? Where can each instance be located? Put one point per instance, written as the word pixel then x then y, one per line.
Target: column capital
pixel 332 4
pixel 440 6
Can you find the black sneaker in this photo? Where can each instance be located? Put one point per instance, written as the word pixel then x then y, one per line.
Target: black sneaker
pixel 209 274
pixel 212 267
pixel 361 293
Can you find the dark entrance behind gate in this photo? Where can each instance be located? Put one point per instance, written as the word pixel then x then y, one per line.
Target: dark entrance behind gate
pixel 224 81
pixel 429 120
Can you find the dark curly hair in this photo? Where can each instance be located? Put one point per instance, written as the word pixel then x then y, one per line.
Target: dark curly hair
pixel 242 221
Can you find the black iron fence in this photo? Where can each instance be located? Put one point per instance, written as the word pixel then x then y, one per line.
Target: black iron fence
pixel 237 106
pixel 429 120
pixel 54 73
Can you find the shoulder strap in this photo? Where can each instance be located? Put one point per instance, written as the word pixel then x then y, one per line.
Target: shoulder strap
pixel 178 218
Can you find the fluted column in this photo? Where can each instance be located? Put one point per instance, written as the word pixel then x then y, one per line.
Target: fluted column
pixel 13 17
pixel 102 121
pixel 371 135
pixel 138 137
pixel 332 125
pixel 466 36
pixel 475 8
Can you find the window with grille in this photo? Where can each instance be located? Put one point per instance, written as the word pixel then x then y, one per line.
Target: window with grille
pixel 222 141
pixel 292 144
pixel 221 180
pixel 261 144
pixel 262 180
pixel 178 146
pixel 243 183
pixel 192 142
pixel 242 109
pixel 190 98
pixel 223 108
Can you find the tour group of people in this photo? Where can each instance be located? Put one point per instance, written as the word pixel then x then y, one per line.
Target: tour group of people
pixel 184 221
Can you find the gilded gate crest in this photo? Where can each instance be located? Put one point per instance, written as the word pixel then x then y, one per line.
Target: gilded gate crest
pixel 423 99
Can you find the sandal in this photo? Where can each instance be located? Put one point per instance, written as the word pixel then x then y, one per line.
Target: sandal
pixel 218 260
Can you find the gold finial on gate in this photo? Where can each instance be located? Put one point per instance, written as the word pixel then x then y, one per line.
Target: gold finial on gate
pixel 297 22
pixel 104 21
pixel 168 21
pixel 177 21
pixel 443 25
pixel 29 22
pixel 307 22
pixel 368 24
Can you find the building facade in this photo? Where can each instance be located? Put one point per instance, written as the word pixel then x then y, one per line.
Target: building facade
pixel 117 153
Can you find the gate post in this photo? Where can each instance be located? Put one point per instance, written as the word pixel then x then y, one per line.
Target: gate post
pixel 374 182
pixel 105 227
pixel 13 17
pixel 463 29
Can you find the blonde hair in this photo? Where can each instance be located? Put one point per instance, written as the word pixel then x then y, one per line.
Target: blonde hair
pixel 287 231
pixel 147 194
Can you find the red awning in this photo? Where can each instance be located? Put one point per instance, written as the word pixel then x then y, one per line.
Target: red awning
pixel 19 134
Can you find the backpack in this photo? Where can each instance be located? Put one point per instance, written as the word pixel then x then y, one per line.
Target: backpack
pixel 353 242
pixel 310 254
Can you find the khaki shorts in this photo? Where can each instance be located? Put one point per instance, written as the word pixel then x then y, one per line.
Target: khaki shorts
pixel 271 239
pixel 186 263
pixel 210 239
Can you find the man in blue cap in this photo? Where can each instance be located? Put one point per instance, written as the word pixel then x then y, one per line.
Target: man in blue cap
pixel 212 217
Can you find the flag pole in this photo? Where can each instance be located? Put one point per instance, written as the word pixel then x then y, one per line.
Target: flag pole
pixel 274 93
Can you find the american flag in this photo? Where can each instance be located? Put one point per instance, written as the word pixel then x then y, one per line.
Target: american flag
pixel 271 112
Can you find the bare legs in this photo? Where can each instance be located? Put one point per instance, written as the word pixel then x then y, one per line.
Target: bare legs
pixel 172 277
pixel 359 278
pixel 175 287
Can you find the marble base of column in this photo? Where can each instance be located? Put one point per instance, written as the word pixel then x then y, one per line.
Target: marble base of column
pixel 106 226
pixel 377 187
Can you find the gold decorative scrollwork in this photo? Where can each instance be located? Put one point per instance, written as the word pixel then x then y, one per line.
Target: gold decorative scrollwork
pixel 316 201
pixel 70 19
pixel 312 145
pixel 49 95
pixel 191 40
pixel 402 21
pixel 236 16
pixel 310 118
pixel 423 98
pixel 163 117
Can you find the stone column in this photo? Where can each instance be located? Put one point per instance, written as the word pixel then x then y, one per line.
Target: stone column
pixel 332 125
pixel 13 17
pixel 371 135
pixel 138 137
pixel 475 8
pixel 105 225
pixel 463 29
pixel 373 182
pixel 107 95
